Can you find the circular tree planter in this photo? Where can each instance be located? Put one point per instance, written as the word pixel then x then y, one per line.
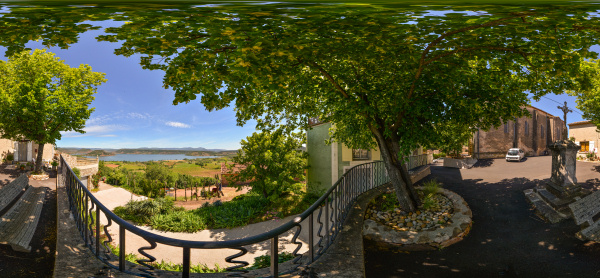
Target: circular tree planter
pixel 443 236
pixel 39 177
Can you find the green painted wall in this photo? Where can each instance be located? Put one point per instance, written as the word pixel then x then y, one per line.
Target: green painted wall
pixel 319 159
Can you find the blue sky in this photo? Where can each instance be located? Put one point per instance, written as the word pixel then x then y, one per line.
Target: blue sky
pixel 133 110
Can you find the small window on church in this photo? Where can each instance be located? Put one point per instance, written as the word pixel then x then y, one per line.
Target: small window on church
pixel 526 128
pixel 360 154
pixel 542 131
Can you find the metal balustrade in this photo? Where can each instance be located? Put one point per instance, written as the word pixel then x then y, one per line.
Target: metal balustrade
pixel 329 213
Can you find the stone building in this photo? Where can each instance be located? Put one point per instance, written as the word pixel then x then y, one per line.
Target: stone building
pixel 25 150
pixel 532 134
pixel 586 136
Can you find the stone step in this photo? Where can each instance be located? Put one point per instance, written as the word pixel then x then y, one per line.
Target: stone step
pixel 551 199
pixel 545 210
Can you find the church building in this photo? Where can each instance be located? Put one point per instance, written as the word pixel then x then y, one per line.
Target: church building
pixel 532 134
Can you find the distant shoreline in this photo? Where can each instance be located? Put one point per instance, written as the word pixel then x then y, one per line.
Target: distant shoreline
pixel 149 157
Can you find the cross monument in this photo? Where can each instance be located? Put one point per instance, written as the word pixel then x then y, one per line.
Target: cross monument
pixel 565 110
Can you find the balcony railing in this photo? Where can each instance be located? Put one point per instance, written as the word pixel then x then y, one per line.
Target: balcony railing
pixel 323 220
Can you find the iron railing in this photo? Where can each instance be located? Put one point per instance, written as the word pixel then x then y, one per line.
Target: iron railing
pixel 324 220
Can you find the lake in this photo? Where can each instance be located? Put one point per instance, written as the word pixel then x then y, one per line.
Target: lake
pixel 148 157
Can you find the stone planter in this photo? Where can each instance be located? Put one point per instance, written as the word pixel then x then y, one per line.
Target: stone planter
pixel 428 239
pixel 39 177
pixel 459 163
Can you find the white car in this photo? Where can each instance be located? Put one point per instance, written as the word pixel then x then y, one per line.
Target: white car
pixel 515 154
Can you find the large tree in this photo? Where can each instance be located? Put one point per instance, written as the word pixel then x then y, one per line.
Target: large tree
pixel 41 96
pixel 588 101
pixel 395 78
pixel 274 162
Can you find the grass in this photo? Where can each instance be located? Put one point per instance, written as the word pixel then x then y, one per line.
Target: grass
pixel 168 266
pixel 388 201
pixel 163 215
pixel 196 170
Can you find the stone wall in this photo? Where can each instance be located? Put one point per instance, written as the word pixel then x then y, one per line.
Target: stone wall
pixel 6 147
pixel 532 134
pixel 48 154
pixel 71 160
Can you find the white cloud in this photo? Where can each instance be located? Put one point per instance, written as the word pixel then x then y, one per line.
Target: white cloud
pixel 103 128
pixel 178 124
pixel 107 135
pixel 134 115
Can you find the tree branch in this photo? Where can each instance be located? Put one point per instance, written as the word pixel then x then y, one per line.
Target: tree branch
pixel 330 78
pixel 448 34
pixel 524 54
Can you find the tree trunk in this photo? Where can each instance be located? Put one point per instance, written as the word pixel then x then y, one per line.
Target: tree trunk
pixel 396 170
pixel 38 160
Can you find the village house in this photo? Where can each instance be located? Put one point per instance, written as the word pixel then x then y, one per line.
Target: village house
pixel 531 134
pixel 586 136
pixel 327 163
pixel 25 150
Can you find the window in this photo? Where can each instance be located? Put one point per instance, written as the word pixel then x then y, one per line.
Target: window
pixel 505 127
pixel 585 146
pixel 526 128
pixel 542 131
pixel 360 154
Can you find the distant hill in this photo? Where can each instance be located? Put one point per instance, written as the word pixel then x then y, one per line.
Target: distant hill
pixel 100 153
pixel 187 151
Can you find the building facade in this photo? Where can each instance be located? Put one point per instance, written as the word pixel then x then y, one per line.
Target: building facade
pixel 586 136
pixel 24 151
pixel 532 134
pixel 327 163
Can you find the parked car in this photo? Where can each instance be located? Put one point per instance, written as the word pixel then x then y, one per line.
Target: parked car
pixel 515 154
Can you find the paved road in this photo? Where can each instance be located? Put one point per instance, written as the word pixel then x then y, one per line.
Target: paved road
pixel 507 238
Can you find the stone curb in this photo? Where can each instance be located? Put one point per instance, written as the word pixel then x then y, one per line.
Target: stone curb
pixel 425 240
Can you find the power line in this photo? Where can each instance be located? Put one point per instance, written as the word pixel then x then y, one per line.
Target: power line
pixel 574 109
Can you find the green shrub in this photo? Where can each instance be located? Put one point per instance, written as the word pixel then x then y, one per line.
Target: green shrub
pixel 141 212
pixel 77 172
pixel 178 221
pixel 10 157
pixel 431 187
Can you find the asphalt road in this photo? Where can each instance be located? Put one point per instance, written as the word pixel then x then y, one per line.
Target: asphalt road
pixel 507 238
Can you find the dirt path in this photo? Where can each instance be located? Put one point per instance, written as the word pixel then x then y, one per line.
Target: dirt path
pixel 228 194
pixel 112 197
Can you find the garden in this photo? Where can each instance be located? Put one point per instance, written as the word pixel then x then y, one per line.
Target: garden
pixel 261 193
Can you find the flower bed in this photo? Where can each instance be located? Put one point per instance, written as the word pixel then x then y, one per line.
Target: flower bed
pixel 445 223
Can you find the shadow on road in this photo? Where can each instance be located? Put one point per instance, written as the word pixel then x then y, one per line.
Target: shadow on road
pixel 483 163
pixel 507 238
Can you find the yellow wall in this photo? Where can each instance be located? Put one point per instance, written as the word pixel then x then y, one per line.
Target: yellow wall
pixel 347 154
pixel 585 132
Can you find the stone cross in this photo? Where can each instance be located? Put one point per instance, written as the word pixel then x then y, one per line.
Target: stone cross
pixel 565 110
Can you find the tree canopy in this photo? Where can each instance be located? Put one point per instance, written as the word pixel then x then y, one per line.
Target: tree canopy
pixel 274 162
pixel 392 76
pixel 42 96
pixel 588 101
pixel 401 76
